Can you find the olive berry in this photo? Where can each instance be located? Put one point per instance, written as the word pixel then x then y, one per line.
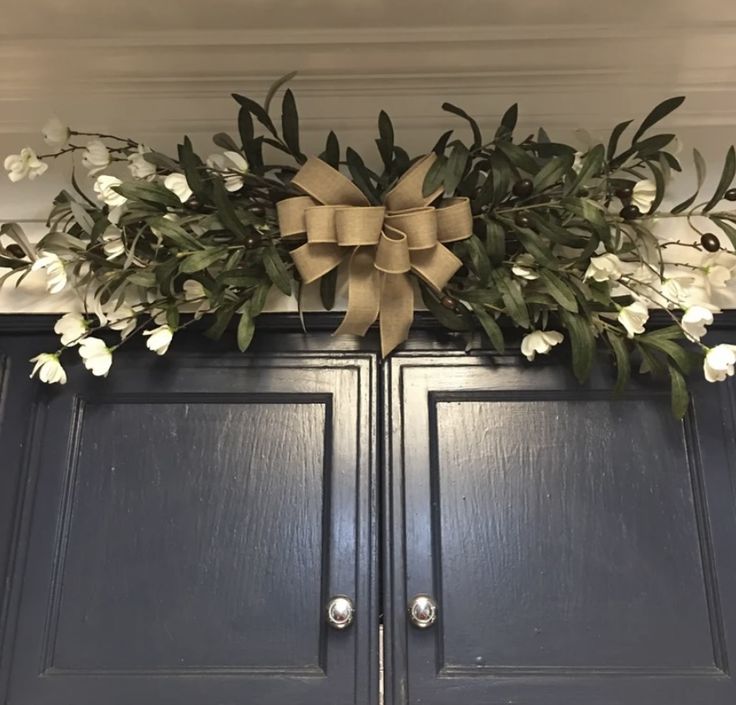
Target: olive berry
pixel 624 193
pixel 250 242
pixel 523 188
pixel 523 220
pixel 448 302
pixel 731 194
pixel 710 242
pixel 630 212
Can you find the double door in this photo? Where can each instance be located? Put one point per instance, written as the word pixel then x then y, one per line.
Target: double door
pixel 177 533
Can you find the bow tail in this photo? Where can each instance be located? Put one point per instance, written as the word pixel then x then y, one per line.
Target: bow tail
pixel 397 310
pixel 436 265
pixel 364 289
pixel 314 260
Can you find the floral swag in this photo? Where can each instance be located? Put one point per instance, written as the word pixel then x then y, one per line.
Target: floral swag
pixel 557 241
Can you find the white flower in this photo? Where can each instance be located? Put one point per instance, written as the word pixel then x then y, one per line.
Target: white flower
pixel 122 319
pixel 55 271
pixel 522 265
pixel 633 317
pixel 114 245
pixel 577 164
pixel 139 167
pixel 719 362
pixel 695 320
pixel 71 327
pixel 607 267
pixel 49 368
pixel 96 157
pixel 179 185
pixel 24 164
pixel 232 166
pixel 540 341
pixel 97 357
pixel 160 339
pixel 104 188
pixel 643 195
pixel 55 133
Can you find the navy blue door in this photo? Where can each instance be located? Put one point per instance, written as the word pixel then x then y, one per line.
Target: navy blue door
pixel 180 528
pixel 581 549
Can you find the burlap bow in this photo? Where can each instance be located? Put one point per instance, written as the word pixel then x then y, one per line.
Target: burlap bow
pixel 384 243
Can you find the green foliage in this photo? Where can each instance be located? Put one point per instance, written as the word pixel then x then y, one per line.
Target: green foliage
pixel 541 213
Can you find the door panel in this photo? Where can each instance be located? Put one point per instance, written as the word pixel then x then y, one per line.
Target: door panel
pixel 579 546
pixel 186 526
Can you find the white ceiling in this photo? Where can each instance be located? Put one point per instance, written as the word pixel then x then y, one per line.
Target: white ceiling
pixel 157 70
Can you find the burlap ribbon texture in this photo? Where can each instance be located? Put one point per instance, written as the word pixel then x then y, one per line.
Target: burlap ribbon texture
pixel 384 243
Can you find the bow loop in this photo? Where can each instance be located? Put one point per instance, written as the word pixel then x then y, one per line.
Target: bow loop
pixel 383 244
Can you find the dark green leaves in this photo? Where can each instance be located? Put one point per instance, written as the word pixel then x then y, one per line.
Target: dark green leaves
pixel 729 171
pixel 331 155
pixel 290 126
pixel 276 270
pixel 700 170
pixel 275 87
pixel 489 325
pixel 678 389
pixel 246 328
pixel 615 137
pixel 201 260
pixel 559 290
pixel 477 137
pixel 226 211
pixel 148 193
pixel 257 111
pixel 385 142
pixel 552 172
pixel 455 169
pixel 194 171
pixel 622 358
pixel 327 288
pixel 582 343
pixel 658 113
pixel 509 119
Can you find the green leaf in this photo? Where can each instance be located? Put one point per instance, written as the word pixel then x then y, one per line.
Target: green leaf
pixel 175 233
pixel 519 157
pixel 223 316
pixel 728 229
pixel 660 185
pixel 729 171
pixel 246 328
pixel 83 218
pixel 224 141
pixel 226 212
pixel 201 260
pixel 552 172
pixel 555 232
pixel 592 165
pixel 495 241
pixel 441 143
pixel 615 137
pixel 16 234
pixel 658 113
pixel 260 114
pixel 509 119
pixel 477 137
pixel 161 161
pixel 559 290
pixel 479 260
pixel 435 176
pixel 386 142
pixel 327 288
pixel 700 170
pixel 623 361
pixel 245 127
pixel 535 246
pixel 331 155
pixel 194 169
pixel 582 342
pixel 290 126
pixel 361 175
pixel 680 395
pixel 148 193
pixel 491 327
pixel 513 297
pixel 456 165
pixel 276 270
pixel 275 87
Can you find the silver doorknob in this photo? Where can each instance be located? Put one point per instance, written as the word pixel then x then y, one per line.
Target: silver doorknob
pixel 340 612
pixel 423 611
